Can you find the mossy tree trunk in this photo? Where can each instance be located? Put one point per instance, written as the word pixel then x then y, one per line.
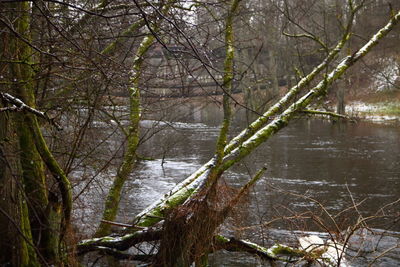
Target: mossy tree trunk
pixel 133 135
pixel 16 242
pixel 42 219
pixel 125 169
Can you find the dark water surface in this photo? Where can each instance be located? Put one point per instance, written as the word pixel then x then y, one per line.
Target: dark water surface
pixel 336 164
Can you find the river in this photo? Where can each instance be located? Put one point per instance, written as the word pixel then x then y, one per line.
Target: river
pixel 313 165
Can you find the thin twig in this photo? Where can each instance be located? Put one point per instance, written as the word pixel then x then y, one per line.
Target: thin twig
pixel 123 224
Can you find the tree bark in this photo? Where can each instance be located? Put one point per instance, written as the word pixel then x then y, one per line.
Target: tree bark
pixel 39 220
pixel 16 242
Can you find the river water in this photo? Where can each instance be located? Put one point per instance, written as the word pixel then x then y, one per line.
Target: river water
pixel 313 166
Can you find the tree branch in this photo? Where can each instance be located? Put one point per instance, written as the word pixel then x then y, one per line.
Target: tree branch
pixel 118 242
pixel 326 113
pixel 19 105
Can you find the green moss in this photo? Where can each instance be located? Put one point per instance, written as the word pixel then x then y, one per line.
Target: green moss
pixel 114 195
pixel 286 251
pixel 28 253
pixel 222 239
pixel 160 212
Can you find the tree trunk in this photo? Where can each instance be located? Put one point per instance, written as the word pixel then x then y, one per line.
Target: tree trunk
pixel 127 165
pixel 114 195
pixel 38 214
pixel 341 106
pixel 273 72
pixel 16 243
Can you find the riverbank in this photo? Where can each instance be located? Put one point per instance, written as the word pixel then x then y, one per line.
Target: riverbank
pixel 377 112
pixel 378 107
pixel 383 107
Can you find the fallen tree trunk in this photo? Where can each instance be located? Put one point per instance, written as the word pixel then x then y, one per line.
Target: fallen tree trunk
pixel 277 252
pixel 118 243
